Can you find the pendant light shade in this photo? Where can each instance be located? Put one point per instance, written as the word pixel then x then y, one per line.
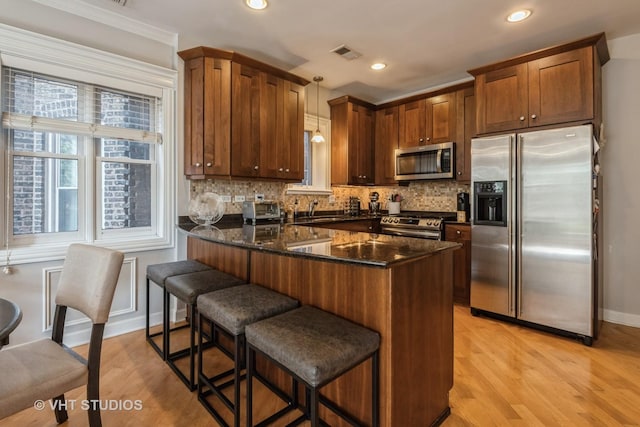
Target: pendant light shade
pixel 317 135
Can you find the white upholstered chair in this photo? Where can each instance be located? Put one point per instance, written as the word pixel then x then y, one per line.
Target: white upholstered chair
pixel 46 369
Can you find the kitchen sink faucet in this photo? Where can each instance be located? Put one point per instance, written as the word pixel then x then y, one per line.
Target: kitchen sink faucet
pixel 312 207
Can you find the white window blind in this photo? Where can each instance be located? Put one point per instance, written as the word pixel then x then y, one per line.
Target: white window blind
pixel 35 102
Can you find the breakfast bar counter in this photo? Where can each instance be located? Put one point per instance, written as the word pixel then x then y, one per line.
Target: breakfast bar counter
pixel 400 287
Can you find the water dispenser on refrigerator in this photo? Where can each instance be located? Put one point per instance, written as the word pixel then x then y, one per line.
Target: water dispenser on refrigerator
pixel 490 203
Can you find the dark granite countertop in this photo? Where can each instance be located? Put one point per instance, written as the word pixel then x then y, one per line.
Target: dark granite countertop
pixel 305 240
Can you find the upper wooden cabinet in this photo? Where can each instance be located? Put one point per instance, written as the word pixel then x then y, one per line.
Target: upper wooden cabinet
pixel 427 121
pixel 561 84
pixel 466 129
pixel 386 139
pixel 243 118
pixel 352 141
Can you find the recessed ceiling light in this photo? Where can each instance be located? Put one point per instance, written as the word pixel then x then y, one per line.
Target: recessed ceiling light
pixel 378 66
pixel 519 15
pixel 256 4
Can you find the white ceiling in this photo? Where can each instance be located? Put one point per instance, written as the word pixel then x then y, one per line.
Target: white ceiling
pixel 426 43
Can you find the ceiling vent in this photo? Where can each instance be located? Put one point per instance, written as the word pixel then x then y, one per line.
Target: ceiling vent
pixel 346 52
pixel 120 2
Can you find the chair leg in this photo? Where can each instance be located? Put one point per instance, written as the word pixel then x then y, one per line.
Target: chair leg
pixel 237 370
pixel 165 320
pixel 192 342
pixel 60 409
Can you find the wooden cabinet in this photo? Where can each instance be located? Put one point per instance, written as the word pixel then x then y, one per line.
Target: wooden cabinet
pixel 352 127
pixel 556 85
pixel 427 121
pixel 386 142
pixel 281 126
pixel 466 129
pixel 243 118
pixel 460 233
pixel 207 94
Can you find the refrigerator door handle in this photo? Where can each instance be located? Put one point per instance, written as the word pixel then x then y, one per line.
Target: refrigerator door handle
pixel 519 225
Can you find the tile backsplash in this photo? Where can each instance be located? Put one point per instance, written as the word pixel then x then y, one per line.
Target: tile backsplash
pixel 422 195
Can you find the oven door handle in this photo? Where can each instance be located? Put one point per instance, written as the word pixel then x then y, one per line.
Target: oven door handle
pixel 433 235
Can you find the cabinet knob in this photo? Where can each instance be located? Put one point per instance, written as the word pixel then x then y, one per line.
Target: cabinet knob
pixel 421 140
pixel 428 139
pixel 286 170
pixel 459 173
pixel 255 167
pixel 458 232
pixel 198 164
pixel 533 116
pixel 364 176
pixel 522 118
pixel 209 164
pixel 281 170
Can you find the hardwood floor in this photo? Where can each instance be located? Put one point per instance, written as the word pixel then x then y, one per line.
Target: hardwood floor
pixel 504 375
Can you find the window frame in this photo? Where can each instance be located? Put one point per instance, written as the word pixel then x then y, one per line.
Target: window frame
pixel 320 160
pixel 22 49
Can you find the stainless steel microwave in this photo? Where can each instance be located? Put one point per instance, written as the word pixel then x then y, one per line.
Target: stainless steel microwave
pixel 436 161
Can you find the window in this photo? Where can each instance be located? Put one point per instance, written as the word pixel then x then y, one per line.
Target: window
pixel 317 170
pixel 83 151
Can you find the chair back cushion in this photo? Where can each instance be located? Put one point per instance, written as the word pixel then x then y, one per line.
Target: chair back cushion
pixel 88 280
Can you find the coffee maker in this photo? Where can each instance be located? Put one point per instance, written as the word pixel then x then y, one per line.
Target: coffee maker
pixel 374 204
pixel 463 207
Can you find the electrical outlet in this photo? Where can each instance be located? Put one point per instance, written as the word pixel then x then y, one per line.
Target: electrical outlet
pixel 226 198
pixel 259 197
pixel 332 199
pixel 238 198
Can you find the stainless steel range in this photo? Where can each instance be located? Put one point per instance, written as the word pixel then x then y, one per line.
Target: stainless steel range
pixel 424 225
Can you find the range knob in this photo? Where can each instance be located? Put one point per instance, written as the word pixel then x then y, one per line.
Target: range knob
pixel 396 220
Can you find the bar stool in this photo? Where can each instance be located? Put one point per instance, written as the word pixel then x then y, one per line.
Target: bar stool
pixel 187 288
pixel 315 348
pixel 158 273
pixel 231 310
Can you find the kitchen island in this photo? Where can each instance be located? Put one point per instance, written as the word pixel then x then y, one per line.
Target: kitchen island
pixel 400 287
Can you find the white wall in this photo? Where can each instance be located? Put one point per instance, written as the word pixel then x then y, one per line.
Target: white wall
pixel 32 286
pixel 620 167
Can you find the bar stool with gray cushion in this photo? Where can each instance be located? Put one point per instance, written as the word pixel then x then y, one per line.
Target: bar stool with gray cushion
pixel 231 310
pixel 187 288
pixel 315 348
pixel 158 273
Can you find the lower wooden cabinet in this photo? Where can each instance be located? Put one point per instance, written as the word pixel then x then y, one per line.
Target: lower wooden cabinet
pixel 460 233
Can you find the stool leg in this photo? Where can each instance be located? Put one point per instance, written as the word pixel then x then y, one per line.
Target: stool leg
pixel 251 362
pixel 200 370
pixel 192 343
pixel 375 391
pixel 165 321
pixel 237 369
pixel 314 417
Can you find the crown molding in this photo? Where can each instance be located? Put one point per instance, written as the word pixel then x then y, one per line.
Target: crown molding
pixel 113 19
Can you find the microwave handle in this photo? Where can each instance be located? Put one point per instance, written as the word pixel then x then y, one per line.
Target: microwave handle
pixel 439 161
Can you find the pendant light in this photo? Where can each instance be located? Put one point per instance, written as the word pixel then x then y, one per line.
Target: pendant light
pixel 317 136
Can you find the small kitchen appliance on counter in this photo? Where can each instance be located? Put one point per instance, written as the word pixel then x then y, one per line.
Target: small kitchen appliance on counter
pixel 254 211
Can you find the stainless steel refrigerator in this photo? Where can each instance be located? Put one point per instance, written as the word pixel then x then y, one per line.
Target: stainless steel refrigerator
pixel 533 233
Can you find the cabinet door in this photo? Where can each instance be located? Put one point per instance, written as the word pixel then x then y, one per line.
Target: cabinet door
pixel 441 118
pixel 245 121
pixel 293 147
pixel 501 99
pixel 193 117
pixel 461 261
pixel 561 88
pixel 272 143
pixel 361 122
pixel 386 139
pixel 466 129
pixel 412 120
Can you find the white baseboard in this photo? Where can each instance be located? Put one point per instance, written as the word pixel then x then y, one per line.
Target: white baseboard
pixel 621 318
